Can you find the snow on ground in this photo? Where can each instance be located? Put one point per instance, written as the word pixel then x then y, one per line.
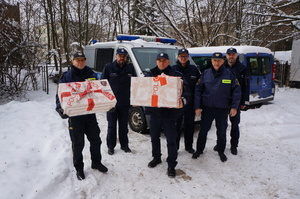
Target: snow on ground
pixel 36 158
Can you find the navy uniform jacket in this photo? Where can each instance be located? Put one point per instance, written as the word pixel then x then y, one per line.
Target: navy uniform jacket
pixel 241 73
pixel 191 75
pixel 119 80
pixel 166 113
pixel 75 75
pixel 218 89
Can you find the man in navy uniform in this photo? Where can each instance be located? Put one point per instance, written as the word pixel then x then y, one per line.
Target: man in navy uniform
pixel 191 75
pixel 118 74
pixel 240 71
pixel 83 124
pixel 217 94
pixel 164 119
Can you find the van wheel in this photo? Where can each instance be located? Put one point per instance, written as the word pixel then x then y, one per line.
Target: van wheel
pixel 137 120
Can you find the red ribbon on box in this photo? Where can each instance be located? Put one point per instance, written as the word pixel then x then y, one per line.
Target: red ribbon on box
pixel 161 81
pixel 88 90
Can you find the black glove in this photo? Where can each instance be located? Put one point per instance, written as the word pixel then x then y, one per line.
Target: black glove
pixel 61 113
pixel 113 109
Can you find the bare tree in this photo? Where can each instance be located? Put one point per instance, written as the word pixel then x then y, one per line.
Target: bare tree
pixel 274 22
pixel 270 23
pixel 65 29
pixel 19 66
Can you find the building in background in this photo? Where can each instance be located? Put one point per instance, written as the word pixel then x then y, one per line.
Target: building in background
pixel 295 64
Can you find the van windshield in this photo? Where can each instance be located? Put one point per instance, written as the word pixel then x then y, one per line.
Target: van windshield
pixel 146 57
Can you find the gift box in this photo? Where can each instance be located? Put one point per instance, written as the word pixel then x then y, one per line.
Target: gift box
pixel 81 98
pixel 160 91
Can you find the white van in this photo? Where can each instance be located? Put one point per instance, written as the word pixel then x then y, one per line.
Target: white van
pixel 142 52
pixel 258 61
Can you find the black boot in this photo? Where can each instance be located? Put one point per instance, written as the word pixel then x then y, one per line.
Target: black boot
pixel 153 163
pixel 216 148
pixel 234 150
pixel 80 174
pixel 190 150
pixel 111 151
pixel 126 149
pixel 171 172
pixel 197 154
pixel 223 157
pixel 100 167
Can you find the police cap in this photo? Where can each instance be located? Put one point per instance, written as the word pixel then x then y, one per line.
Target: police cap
pixel 231 50
pixel 217 55
pixel 78 55
pixel 122 51
pixel 162 55
pixel 183 50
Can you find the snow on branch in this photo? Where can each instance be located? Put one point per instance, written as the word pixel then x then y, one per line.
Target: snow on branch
pixel 251 12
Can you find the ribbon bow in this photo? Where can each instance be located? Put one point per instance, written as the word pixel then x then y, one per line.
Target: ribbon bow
pixel 88 90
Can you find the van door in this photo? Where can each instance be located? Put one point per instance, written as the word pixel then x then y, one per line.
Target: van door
pixel 103 57
pixel 260 70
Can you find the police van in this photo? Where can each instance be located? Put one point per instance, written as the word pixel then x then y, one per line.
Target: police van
pixel 259 62
pixel 142 52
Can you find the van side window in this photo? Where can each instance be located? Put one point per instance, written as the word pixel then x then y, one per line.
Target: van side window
pixel 203 63
pixel 259 66
pixel 103 57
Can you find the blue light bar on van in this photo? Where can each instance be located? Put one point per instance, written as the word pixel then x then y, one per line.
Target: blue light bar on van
pixel 146 38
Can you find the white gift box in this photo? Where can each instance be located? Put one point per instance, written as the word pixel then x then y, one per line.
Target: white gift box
pixel 160 91
pixel 81 98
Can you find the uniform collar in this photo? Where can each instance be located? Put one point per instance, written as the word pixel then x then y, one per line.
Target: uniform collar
pixel 233 66
pixel 180 66
pixel 219 72
pixel 156 71
pixel 117 66
pixel 77 70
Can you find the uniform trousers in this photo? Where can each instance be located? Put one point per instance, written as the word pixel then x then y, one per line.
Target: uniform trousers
pixel 235 131
pixel 78 126
pixel 121 115
pixel 169 127
pixel 189 120
pixel 208 115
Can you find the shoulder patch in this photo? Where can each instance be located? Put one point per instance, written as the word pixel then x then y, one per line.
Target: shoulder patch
pixel 237 81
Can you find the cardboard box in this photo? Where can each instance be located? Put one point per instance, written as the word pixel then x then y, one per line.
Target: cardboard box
pixel 81 98
pixel 160 91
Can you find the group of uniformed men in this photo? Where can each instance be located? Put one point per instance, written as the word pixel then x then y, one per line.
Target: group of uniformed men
pixel 216 93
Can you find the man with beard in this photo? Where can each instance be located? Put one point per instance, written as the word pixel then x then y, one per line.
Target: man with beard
pixel 118 74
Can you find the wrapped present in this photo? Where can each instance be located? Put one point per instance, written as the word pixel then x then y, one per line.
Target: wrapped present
pixel 80 98
pixel 160 91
